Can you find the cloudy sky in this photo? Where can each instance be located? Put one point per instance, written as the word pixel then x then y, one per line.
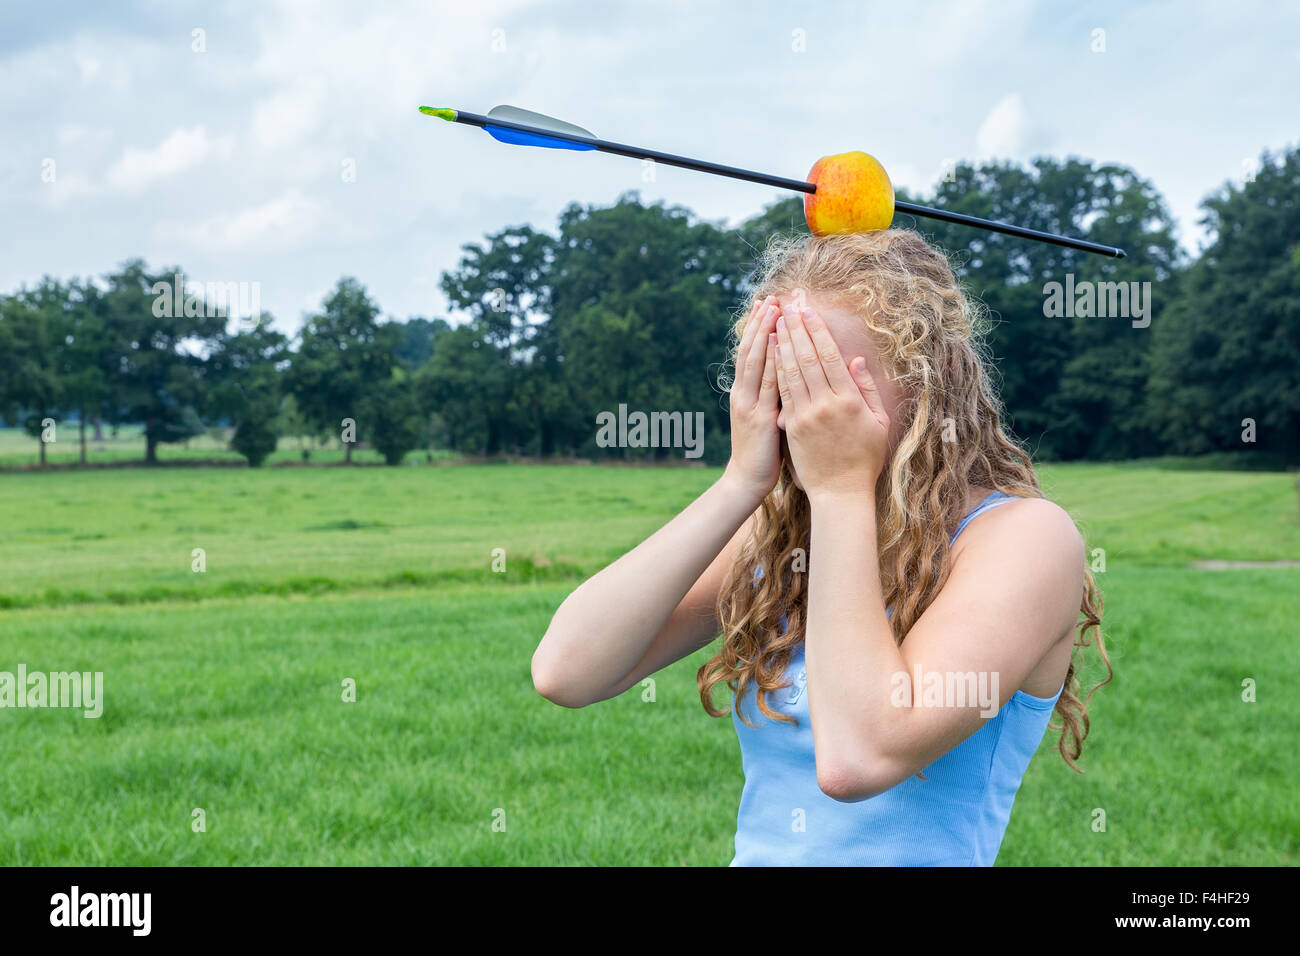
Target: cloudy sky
pixel 278 142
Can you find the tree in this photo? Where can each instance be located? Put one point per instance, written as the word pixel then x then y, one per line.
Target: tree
pixel 393 418
pixel 247 388
pixel 343 352
pixel 466 382
pixel 1073 387
pixel 159 337
pixel 503 286
pixel 1225 360
pixel 87 352
pixel 629 304
pixel 642 303
pixel 37 321
pixel 418 340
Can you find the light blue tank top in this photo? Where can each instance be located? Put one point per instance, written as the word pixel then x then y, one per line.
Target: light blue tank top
pixel 956 816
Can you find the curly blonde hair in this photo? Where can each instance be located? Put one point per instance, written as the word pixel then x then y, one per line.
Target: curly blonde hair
pixel 932 341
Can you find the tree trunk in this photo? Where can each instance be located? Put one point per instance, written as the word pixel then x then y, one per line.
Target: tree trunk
pixel 347 455
pixel 42 451
pixel 99 429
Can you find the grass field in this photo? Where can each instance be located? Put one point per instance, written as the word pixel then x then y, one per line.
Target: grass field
pixel 19 450
pixel 223 688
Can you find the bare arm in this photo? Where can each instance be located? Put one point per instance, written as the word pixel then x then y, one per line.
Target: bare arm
pixel 1012 595
pixel 651 607
pixel 655 604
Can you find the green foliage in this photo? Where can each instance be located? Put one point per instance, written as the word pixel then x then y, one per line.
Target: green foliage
pixel 393 418
pixel 1073 387
pixel 1229 352
pixel 418 340
pixel 255 436
pixel 158 337
pixel 248 388
pixel 343 351
pixel 631 305
pixel 35 321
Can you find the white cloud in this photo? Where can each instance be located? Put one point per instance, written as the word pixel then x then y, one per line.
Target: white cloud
pixel 181 150
pixel 68 135
pixel 287 117
pixel 1005 130
pixel 67 188
pixel 281 223
pixel 89 67
pixel 298 87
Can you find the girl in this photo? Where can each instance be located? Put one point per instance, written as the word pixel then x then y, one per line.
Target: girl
pixel 898 602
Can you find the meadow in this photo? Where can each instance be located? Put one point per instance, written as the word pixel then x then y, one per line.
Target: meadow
pixel 126 445
pixel 223 688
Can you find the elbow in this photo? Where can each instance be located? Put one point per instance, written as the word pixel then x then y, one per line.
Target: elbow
pixel 853 782
pixel 550 683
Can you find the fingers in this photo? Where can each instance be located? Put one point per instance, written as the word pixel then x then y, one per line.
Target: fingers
pixel 746 339
pixel 752 351
pixel 866 386
pixel 833 365
pixel 767 392
pixel 755 367
pixel 789 376
pixel 805 353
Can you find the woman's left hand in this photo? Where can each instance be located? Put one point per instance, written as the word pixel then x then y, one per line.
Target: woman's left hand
pixel 835 422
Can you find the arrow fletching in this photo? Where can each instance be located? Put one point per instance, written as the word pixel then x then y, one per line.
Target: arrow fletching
pixel 513 114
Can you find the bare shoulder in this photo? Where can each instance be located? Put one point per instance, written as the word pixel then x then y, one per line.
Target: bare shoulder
pixel 1028 554
pixel 1034 525
pixel 1032 542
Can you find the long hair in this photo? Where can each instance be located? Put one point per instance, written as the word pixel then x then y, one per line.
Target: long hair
pixel 947 436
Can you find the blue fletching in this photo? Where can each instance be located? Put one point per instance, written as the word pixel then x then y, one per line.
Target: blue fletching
pixel 516 138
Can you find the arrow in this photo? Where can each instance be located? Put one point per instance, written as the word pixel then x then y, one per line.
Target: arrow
pixel 520 127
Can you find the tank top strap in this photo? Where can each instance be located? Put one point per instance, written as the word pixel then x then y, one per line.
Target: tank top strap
pixel 994 499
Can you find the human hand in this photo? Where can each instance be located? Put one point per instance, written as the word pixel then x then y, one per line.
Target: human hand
pixel 835 422
pixel 755 440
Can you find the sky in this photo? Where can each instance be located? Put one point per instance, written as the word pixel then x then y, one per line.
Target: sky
pixel 278 142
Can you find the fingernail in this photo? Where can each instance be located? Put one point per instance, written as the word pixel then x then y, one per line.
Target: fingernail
pixel 780 323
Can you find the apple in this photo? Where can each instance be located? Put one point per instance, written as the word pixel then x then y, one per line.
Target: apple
pixel 853 194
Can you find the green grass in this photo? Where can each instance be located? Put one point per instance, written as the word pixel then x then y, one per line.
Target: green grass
pixel 20 450
pixel 126 536
pixel 224 689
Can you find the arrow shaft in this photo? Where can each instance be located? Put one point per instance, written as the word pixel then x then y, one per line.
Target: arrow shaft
pixel 1007 229
pixel 780 182
pixel 637 152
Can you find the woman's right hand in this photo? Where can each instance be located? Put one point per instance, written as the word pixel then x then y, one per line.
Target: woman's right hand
pixel 755 440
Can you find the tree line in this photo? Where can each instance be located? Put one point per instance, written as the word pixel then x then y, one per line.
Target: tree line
pixel 631 304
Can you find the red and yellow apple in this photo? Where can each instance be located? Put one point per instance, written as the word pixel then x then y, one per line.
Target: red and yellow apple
pixel 853 194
